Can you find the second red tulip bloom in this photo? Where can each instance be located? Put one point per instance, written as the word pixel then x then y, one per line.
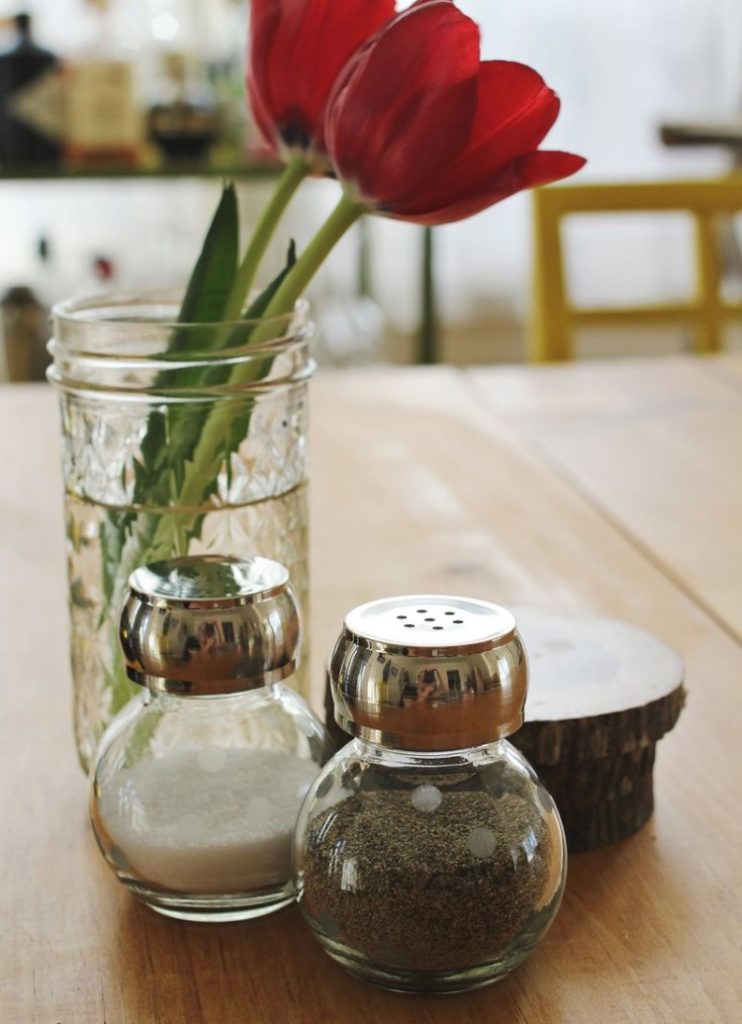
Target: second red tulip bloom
pixel 418 128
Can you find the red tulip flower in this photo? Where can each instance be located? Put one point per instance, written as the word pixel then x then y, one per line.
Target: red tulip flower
pixel 297 50
pixel 420 129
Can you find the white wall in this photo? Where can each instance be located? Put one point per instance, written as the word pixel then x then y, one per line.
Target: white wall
pixel 620 69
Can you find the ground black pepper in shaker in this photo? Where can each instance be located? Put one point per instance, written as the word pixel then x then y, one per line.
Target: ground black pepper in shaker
pixel 428 856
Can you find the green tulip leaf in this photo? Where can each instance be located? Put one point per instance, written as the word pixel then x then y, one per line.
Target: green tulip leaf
pixel 174 429
pixel 213 274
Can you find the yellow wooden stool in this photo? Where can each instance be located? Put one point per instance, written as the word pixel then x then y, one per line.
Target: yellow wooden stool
pixel 554 317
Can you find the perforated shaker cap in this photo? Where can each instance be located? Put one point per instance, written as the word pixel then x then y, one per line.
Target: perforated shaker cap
pixel 429 672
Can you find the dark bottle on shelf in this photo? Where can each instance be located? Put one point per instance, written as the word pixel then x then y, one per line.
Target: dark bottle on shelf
pixel 23 331
pixel 24 319
pixel 184 122
pixel 30 101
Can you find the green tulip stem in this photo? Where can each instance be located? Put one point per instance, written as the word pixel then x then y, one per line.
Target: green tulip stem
pixel 345 214
pixel 292 176
pixel 210 448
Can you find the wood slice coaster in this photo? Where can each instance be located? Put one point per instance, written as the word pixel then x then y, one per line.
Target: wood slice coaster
pixel 601 694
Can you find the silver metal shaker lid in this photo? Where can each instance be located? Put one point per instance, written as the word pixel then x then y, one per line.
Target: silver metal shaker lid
pixel 429 672
pixel 208 625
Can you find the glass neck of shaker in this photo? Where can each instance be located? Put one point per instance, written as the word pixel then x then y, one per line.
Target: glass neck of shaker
pixel 433 759
pixel 219 703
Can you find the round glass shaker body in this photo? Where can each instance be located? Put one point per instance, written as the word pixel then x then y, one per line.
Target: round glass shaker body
pixel 429 871
pixel 194 799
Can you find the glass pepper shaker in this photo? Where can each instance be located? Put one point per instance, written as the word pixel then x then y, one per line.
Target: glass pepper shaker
pixel 428 856
pixel 198 781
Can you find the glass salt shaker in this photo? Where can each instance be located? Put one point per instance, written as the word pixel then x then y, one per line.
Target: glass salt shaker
pixel 198 781
pixel 428 856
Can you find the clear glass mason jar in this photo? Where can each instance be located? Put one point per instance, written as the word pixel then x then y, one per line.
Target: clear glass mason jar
pixel 176 439
pixel 428 856
pixel 197 782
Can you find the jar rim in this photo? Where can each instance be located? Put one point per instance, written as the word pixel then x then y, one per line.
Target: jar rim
pixel 79 311
pixel 112 342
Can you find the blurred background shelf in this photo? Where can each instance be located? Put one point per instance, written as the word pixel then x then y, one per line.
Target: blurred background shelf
pixel 464 296
pixel 195 169
pixel 703 133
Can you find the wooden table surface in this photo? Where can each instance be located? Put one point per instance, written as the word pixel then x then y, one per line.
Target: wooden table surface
pixel 613 488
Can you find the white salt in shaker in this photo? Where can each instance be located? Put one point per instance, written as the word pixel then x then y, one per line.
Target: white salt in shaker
pixel 198 780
